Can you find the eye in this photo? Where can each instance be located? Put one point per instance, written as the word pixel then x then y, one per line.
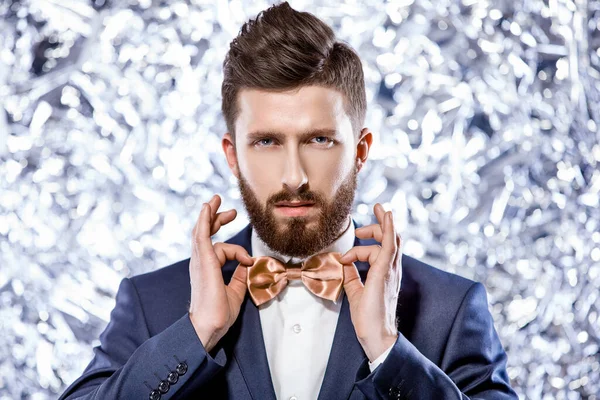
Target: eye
pixel 261 142
pixel 324 140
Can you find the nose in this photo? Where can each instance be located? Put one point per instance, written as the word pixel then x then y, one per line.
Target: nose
pixel 294 175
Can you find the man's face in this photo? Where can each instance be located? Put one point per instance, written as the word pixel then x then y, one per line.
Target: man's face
pixel 296 163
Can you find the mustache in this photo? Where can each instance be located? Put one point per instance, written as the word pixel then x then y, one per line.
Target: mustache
pixel 305 196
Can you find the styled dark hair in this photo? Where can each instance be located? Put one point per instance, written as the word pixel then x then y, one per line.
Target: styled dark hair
pixel 283 49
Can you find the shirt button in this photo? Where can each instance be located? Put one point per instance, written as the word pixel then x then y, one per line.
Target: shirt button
pixel 297 328
pixel 293 398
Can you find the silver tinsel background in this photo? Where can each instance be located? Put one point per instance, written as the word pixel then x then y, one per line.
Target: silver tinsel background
pixel 486 117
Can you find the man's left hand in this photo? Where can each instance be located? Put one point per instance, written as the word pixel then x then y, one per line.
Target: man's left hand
pixel 373 305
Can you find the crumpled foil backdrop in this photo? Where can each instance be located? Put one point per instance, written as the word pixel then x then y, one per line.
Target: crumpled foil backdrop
pixel 486 119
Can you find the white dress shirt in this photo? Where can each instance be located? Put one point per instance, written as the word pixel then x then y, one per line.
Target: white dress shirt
pixel 298 329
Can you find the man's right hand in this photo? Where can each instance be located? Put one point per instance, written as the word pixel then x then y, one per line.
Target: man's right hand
pixel 214 306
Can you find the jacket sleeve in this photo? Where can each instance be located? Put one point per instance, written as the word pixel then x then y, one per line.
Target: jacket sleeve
pixel 129 364
pixel 473 365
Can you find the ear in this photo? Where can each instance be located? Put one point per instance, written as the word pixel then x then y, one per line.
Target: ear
pixel 362 148
pixel 228 145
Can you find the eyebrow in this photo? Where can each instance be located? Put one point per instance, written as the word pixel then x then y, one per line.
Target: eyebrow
pixel 256 135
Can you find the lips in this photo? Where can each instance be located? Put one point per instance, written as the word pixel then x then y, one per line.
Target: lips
pixel 294 209
pixel 294 203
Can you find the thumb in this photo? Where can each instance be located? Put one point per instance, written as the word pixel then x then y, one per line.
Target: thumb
pixel 352 283
pixel 238 285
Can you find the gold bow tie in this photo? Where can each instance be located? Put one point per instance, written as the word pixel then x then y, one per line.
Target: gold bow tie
pixel 322 274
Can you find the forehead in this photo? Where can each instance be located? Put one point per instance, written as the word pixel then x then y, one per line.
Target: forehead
pixel 302 109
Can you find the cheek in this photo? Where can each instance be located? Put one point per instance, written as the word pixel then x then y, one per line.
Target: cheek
pixel 328 173
pixel 261 174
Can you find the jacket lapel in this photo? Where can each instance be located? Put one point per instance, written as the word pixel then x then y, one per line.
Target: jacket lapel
pixel 251 356
pixel 249 347
pixel 346 352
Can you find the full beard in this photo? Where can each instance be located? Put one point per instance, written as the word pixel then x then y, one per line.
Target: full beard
pixel 293 237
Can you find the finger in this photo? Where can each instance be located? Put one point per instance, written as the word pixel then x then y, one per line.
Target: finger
pixel 361 253
pixel 398 251
pixel 379 213
pixel 215 203
pixel 228 251
pixel 397 270
pixel 352 283
pixel 398 243
pixel 388 245
pixel 202 231
pixel 351 274
pixel 369 231
pixel 196 228
pixel 222 218
pixel 238 284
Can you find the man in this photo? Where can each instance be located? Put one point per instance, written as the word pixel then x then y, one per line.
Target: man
pixel 303 303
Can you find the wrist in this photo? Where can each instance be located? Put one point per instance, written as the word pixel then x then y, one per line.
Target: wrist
pixel 209 337
pixel 374 348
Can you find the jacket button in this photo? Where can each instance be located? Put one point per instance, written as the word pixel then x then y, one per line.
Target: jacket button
pixel 181 368
pixel 155 395
pixel 163 386
pixel 173 378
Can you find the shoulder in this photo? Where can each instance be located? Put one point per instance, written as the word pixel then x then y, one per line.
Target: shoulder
pixel 429 276
pixel 434 289
pixel 167 278
pixel 425 280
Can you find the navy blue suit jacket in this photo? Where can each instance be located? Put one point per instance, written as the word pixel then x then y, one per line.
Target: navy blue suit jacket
pixel 447 347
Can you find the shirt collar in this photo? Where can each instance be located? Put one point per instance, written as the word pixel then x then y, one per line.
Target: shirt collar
pixel 342 244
